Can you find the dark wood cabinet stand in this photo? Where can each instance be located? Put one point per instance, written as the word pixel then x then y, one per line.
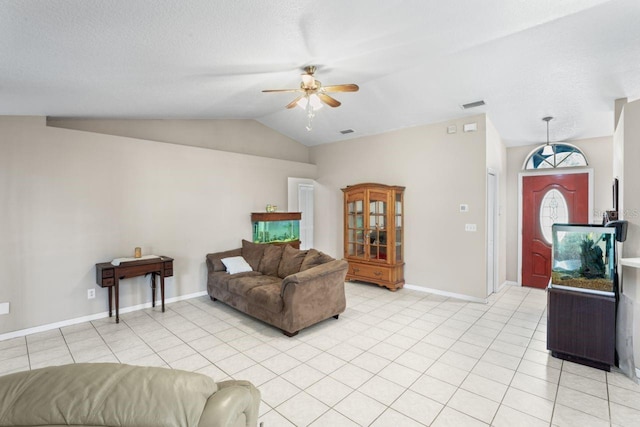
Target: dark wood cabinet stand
pixel 109 276
pixel 581 327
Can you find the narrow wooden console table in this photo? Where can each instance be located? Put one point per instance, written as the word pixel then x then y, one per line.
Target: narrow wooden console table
pixel 109 276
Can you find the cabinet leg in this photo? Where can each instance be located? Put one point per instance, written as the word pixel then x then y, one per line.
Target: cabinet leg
pixel 162 290
pixel 110 299
pixel 117 286
pixel 153 289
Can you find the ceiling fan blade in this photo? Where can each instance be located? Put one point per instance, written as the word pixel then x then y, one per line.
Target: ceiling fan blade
pixel 283 90
pixel 331 102
pixel 341 88
pixel 294 102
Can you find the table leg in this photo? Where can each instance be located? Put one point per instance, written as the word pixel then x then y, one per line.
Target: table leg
pixel 117 286
pixel 110 299
pixel 162 289
pixel 153 289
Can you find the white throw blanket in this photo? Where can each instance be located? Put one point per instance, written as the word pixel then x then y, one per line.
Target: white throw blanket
pixel 118 261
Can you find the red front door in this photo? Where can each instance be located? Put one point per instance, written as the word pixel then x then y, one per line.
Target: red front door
pixel 569 203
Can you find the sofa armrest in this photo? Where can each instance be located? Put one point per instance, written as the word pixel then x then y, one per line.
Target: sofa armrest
pixel 333 269
pixel 235 404
pixel 213 260
pixel 313 295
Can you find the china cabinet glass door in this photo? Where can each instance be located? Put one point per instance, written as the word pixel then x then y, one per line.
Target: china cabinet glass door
pixel 398 226
pixel 377 230
pixel 356 227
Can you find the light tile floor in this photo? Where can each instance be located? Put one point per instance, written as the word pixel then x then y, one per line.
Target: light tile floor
pixel 392 359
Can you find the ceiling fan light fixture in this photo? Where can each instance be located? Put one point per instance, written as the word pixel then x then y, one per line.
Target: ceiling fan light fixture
pixel 313 95
pixel 313 99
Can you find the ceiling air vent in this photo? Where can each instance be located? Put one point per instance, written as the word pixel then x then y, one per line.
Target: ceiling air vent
pixel 346 131
pixel 472 105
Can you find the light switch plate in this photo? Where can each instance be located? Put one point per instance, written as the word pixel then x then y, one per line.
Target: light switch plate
pixel 4 308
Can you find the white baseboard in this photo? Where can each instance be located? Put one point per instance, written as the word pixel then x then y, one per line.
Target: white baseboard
pixel 445 293
pixel 69 322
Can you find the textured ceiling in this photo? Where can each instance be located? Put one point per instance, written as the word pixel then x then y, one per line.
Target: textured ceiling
pixel 415 62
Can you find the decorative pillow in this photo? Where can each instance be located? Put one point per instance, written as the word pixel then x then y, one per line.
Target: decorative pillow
pixel 252 253
pixel 271 260
pixel 236 264
pixel 291 261
pixel 314 258
pixel 213 260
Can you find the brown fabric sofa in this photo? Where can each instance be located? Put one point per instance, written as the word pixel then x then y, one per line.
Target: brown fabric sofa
pixel 112 394
pixel 288 288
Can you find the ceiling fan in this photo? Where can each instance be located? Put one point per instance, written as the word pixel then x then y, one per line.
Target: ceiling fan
pixel 313 94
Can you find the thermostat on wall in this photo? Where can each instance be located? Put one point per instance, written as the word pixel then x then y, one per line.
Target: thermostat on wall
pixel 464 208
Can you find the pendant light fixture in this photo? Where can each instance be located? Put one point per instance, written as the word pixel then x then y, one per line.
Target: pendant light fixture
pixel 549 150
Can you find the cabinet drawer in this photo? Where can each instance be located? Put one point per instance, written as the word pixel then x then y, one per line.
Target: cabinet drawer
pixel 107 273
pixel 107 282
pixel 370 272
pixel 168 272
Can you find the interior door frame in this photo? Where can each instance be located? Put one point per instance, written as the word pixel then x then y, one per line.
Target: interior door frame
pixel 496 227
pixel 559 171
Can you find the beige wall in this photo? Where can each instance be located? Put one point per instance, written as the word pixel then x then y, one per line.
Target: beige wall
pixel 625 166
pixel 72 198
pixel 234 135
pixel 599 155
pixel 440 171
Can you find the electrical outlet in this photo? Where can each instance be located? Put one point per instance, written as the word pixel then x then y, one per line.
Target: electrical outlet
pixel 470 227
pixel 4 308
pixel 91 293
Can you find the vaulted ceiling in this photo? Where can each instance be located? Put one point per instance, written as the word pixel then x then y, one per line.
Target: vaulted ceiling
pixel 415 61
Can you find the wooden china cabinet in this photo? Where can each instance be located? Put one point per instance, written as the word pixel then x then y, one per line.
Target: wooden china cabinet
pixel 373 234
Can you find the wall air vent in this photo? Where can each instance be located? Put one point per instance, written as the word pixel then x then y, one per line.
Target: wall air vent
pixel 472 105
pixel 346 131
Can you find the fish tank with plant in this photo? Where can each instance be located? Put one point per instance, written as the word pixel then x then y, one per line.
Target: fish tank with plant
pixel 583 258
pixel 276 227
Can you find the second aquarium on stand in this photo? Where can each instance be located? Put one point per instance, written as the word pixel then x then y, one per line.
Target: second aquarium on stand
pixel 582 295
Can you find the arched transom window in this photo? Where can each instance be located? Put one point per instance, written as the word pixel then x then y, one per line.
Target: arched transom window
pixel 558 155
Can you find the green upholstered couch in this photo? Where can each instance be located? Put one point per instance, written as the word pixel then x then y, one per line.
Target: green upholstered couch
pixel 288 288
pixel 116 395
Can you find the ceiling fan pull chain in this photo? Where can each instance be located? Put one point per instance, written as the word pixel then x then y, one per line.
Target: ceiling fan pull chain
pixel 310 115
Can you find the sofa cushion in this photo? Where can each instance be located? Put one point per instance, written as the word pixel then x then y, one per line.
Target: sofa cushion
pixel 271 260
pixel 314 258
pixel 291 261
pixel 267 297
pixel 252 252
pixel 220 279
pixel 104 394
pixel 241 285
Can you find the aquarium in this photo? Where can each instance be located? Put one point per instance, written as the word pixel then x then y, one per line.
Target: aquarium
pixel 275 228
pixel 583 258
